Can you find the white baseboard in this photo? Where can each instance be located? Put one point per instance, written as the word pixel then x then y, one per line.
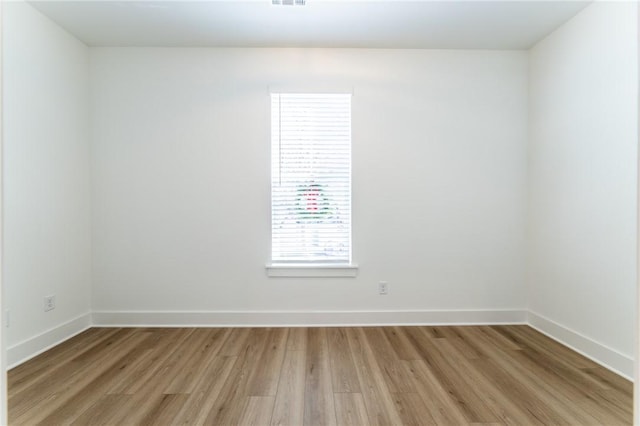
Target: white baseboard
pixel 607 357
pixel 27 349
pixel 301 319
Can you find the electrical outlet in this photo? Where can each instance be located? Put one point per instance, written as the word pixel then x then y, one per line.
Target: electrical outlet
pixel 49 303
pixel 383 288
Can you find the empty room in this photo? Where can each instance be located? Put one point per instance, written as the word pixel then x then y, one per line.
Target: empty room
pixel 290 212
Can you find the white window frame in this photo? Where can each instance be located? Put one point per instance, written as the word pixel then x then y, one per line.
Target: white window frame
pixel 312 268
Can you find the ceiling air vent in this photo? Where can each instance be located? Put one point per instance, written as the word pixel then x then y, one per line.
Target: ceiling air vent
pixel 288 2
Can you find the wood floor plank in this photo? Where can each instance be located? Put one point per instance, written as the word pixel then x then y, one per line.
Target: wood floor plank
pixel 84 396
pixel 206 345
pixel 562 395
pixel 343 372
pixel 395 377
pixel 180 371
pixel 401 345
pixel 257 411
pixel 51 392
pixel 534 409
pixel 465 346
pixel 148 393
pixel 467 401
pixel 477 345
pixel 566 367
pixel 496 370
pixel 163 410
pixel 229 405
pixel 505 409
pixel 34 369
pixel 318 404
pixel 596 406
pixel 442 408
pixel 350 409
pixel 616 403
pixel 40 369
pixel 264 380
pixel 289 403
pixel 297 340
pixel 412 409
pixel 235 342
pixel 206 392
pixel 537 341
pixel 377 398
pixel 522 385
pixel 440 375
pixel 498 339
pixel 438 332
pixel 608 380
pixel 103 411
pixel 146 369
pixel 486 424
pixel 162 374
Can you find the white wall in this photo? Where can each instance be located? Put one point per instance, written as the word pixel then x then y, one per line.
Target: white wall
pixel 181 210
pixel 3 345
pixel 46 176
pixel 582 174
pixel 636 375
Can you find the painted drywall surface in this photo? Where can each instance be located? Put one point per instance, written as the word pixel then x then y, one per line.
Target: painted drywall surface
pixel 181 207
pixel 636 375
pixel 3 350
pixel 583 165
pixel 46 173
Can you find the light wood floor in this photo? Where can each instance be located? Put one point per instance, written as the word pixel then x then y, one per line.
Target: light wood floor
pixel 316 376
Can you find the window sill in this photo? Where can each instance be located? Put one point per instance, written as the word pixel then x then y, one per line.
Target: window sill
pixel 312 271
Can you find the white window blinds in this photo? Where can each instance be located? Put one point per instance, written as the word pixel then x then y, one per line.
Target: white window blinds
pixel 311 178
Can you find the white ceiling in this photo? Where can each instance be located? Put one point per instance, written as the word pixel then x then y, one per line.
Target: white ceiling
pixel 448 24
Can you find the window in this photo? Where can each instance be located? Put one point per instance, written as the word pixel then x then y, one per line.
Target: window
pixel 310 179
